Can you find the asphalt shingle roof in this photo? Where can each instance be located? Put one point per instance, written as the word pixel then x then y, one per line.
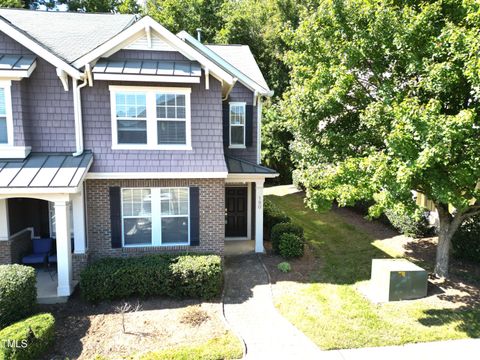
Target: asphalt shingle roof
pixel 67 35
pixel 242 58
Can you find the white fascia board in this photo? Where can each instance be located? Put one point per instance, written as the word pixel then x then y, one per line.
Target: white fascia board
pixel 34 190
pixel 244 79
pixel 14 152
pixel 158 175
pixel 249 177
pixel 139 27
pixel 17 74
pixel 147 78
pixel 38 49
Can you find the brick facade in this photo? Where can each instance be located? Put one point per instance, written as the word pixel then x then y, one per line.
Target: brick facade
pixel 11 251
pixel 79 262
pixel 212 216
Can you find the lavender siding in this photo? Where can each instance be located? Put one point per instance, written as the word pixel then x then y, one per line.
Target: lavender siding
pixel 242 94
pixel 206 117
pixel 42 110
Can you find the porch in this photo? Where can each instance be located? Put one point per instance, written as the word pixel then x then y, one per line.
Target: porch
pixel 42 202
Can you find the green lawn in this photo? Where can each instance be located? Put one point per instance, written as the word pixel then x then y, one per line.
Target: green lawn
pixel 332 312
pixel 221 348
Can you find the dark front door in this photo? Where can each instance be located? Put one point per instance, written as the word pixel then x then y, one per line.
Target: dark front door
pixel 236 212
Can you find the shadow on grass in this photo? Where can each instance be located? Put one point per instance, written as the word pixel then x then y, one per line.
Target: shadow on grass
pixel 468 319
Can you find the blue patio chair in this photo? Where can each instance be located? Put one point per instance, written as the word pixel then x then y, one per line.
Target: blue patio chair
pixel 41 251
pixel 52 259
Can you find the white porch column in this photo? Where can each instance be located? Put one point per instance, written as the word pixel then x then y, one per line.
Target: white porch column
pixel 259 216
pixel 78 212
pixel 4 224
pixel 64 248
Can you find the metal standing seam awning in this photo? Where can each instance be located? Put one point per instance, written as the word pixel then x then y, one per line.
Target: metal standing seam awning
pixel 148 70
pixel 44 172
pixel 17 66
pixel 242 167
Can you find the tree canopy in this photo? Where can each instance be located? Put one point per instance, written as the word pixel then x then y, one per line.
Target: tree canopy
pixel 385 101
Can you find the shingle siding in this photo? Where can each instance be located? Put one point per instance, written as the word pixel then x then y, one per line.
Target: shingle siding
pixel 212 217
pixel 240 93
pixel 42 110
pixel 206 117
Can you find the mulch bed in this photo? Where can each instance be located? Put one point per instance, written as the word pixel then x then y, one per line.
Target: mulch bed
pixel 84 331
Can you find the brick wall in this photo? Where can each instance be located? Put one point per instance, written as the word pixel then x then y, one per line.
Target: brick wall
pixel 11 251
pixel 212 217
pixel 79 262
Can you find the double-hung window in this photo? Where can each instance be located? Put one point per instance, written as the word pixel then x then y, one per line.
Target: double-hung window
pixel 237 120
pixel 155 216
pixel 6 119
pixel 150 118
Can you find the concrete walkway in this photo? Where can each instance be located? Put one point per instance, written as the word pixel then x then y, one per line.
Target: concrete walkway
pixel 250 312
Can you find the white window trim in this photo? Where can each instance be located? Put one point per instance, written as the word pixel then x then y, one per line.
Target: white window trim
pixel 151 118
pixel 237 146
pixel 7 85
pixel 156 217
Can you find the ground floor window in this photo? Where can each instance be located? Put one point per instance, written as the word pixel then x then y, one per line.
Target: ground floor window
pixel 155 216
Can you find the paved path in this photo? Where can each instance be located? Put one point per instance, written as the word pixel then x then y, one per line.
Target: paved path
pixel 250 312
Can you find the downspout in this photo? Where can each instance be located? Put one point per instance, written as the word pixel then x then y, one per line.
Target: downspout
pixel 259 129
pixel 77 110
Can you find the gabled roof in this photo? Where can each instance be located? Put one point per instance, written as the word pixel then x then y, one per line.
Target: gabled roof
pixel 258 84
pixel 70 41
pixel 67 35
pixel 242 58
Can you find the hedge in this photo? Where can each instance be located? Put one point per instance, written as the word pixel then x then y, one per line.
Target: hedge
pixel 28 339
pixel 193 276
pixel 410 225
pixel 466 240
pixel 18 293
pixel 291 245
pixel 283 228
pixel 272 216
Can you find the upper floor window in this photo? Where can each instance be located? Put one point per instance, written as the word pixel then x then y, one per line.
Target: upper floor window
pixel 237 124
pixel 6 119
pixel 150 118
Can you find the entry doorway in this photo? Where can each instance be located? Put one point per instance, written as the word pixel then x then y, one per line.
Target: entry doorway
pixel 236 212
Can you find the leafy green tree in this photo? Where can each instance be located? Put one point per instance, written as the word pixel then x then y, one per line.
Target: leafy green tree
pixel 188 15
pixel 385 100
pixel 11 4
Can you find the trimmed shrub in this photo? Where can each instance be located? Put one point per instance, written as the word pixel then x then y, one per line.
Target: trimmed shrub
pixel 28 339
pixel 284 267
pixel 284 228
pixel 198 276
pixel 18 294
pixel 466 241
pixel 415 226
pixel 291 245
pixel 272 216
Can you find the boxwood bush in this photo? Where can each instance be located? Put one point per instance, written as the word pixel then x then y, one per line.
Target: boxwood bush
pixel 272 215
pixel 410 225
pixel 193 276
pixel 18 293
pixel 27 339
pixel 284 228
pixel 291 245
pixel 466 241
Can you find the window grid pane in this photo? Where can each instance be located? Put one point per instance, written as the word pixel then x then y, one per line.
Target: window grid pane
pixel 3 130
pixel 137 216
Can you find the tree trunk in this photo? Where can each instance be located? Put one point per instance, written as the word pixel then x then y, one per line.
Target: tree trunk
pixel 447 227
pixel 443 251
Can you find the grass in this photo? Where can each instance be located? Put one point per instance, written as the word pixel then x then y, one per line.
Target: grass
pixel 333 313
pixel 220 348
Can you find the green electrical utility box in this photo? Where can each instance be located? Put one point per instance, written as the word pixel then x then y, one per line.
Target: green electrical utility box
pixel 397 279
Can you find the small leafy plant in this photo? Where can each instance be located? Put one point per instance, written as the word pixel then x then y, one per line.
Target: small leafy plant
pixel 284 267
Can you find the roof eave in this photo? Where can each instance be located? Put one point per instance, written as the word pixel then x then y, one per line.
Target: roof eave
pixel 244 79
